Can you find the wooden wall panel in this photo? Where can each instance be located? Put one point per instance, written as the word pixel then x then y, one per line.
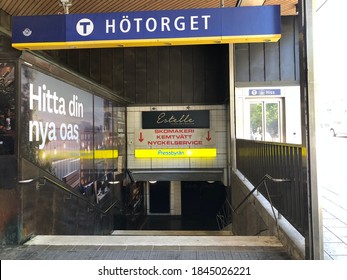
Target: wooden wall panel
pixel 152 75
pixel 129 73
pixel 187 75
pixel 106 76
pixel 118 71
pixel 296 50
pixel 175 75
pixel 140 76
pixel 272 62
pixel 164 75
pixel 287 50
pixel 95 64
pixel 242 63
pixel 73 59
pixel 159 75
pixel 84 62
pixel 257 62
pixel 199 75
pixel 212 74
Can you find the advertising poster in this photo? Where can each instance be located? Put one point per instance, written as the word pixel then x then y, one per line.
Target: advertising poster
pixel 68 132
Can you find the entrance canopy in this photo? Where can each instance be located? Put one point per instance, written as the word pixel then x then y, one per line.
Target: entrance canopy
pixel 148 28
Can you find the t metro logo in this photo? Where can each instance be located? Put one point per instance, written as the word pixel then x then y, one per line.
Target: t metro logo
pixel 84 27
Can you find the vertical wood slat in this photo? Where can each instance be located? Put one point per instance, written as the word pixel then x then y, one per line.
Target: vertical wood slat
pixel 152 75
pixel 157 75
pixel 187 75
pixel 257 62
pixel 287 55
pixel 129 73
pixel 118 71
pixel 272 62
pixel 73 59
pixel 199 75
pixel 140 75
pixel 84 62
pixel 164 75
pixel 95 64
pixel 211 74
pixel 242 63
pixel 175 82
pixel 106 68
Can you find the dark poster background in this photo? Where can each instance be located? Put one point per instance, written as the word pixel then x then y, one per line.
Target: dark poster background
pixel 70 133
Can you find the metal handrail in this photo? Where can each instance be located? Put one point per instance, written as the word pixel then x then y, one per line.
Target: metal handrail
pixel 62 187
pixel 221 217
pixel 263 180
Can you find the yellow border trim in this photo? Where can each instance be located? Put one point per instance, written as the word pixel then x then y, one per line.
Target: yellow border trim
pixel 176 153
pixel 146 42
pixel 99 154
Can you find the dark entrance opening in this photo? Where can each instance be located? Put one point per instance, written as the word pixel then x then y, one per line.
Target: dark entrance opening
pixel 201 202
pixel 159 197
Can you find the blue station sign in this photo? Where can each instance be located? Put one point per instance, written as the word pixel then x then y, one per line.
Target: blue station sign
pixel 264 92
pixel 148 28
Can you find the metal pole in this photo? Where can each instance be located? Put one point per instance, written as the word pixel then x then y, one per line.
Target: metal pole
pixel 314 243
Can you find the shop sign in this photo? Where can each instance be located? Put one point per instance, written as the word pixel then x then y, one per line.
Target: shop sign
pixel 176 119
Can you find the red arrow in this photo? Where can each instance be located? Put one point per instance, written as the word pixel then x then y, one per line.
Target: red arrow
pixel 208 136
pixel 141 138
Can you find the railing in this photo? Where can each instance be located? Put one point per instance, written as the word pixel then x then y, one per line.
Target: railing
pixel 52 207
pixel 113 204
pixel 42 181
pixel 256 158
pixel 224 214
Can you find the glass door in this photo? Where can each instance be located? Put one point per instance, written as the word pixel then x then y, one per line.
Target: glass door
pixel 265 120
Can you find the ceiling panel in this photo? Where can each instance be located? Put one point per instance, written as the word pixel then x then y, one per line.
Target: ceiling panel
pixel 47 7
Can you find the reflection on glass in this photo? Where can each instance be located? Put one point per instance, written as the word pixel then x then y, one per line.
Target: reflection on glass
pixel 256 121
pixel 272 122
pixel 7 109
pixel 265 114
pixel 71 133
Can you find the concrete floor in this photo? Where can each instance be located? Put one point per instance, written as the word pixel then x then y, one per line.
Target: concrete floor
pixel 334 212
pixel 164 247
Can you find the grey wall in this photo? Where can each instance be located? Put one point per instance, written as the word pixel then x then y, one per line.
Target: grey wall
pixel 156 75
pixel 270 62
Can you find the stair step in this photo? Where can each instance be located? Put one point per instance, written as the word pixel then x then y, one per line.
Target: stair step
pixel 172 232
pixel 157 241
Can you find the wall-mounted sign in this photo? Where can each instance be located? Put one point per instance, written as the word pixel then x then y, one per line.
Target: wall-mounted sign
pixel 174 137
pixel 264 92
pixel 176 119
pixel 176 153
pixel 148 28
pixel 175 134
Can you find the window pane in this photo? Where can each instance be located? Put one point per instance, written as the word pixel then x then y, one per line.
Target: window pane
pixel 256 121
pixel 272 122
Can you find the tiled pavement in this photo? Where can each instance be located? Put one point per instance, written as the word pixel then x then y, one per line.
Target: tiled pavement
pixel 334 212
pixel 42 252
pixel 147 247
pixel 332 177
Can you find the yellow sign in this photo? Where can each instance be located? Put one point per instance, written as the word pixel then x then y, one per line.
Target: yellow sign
pixel 100 154
pixel 176 153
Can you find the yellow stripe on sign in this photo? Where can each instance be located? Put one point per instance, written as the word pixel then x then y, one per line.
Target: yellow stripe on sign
pixel 147 42
pixel 100 154
pixel 176 153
